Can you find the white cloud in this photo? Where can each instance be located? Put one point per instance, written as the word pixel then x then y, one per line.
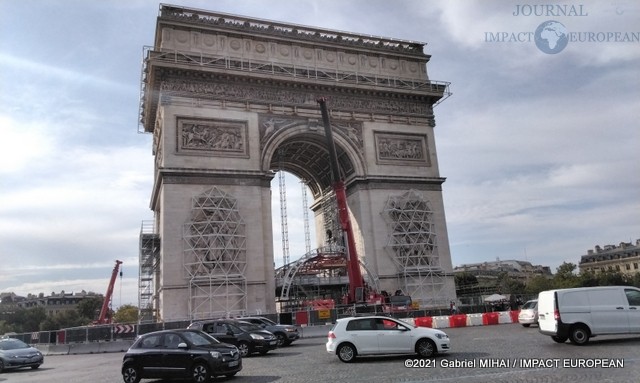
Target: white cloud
pixel 539 151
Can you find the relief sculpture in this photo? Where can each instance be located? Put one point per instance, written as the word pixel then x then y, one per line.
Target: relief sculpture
pixel 394 148
pixel 221 137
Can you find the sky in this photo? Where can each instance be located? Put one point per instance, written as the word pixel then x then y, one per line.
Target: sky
pixel 540 151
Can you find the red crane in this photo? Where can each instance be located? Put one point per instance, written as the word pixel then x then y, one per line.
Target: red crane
pixel 356 282
pixel 104 317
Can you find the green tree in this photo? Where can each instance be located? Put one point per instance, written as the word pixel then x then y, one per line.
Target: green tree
pixel 538 283
pixel 466 284
pixel 89 308
pixel 63 319
pixel 611 278
pixel 126 314
pixel 565 276
pixel 509 285
pixel 588 279
pixel 25 320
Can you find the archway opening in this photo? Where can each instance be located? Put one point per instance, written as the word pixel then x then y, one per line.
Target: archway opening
pixel 294 228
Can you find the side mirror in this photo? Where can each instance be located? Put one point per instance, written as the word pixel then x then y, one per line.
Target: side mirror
pixel 183 345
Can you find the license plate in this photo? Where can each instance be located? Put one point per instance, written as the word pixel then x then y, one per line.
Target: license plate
pixel 233 364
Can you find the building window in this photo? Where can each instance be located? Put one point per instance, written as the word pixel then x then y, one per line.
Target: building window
pixel 617 267
pixel 628 266
pixel 635 265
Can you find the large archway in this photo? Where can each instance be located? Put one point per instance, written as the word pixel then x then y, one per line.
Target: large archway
pixel 231 99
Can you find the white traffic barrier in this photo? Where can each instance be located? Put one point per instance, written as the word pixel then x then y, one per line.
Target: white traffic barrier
pixel 441 322
pixel 411 321
pixel 474 319
pixel 504 317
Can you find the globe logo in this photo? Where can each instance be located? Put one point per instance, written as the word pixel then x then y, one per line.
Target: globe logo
pixel 551 37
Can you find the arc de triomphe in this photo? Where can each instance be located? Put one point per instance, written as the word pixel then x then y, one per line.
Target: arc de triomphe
pixel 229 100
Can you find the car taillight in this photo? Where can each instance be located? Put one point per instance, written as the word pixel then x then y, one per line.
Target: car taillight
pixel 556 314
pixel 332 335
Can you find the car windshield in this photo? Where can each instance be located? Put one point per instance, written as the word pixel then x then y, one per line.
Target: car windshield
pixel 199 339
pixel 269 321
pixel 246 326
pixel 406 324
pixel 12 344
pixel 530 305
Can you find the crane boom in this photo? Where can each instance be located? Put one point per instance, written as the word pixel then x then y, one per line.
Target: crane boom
pixel 356 281
pixel 103 318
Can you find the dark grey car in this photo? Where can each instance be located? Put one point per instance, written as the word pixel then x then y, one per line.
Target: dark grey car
pixel 14 353
pixel 285 333
pixel 248 337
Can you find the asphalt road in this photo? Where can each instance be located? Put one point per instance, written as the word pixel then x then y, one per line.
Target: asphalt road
pixel 501 353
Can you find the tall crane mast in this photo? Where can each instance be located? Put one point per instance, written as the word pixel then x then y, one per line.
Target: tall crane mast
pixel 104 318
pixel 356 282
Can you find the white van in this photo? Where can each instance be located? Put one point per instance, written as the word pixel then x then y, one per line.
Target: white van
pixel 580 313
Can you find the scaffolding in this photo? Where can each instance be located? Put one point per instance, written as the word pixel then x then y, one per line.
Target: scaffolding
pixel 215 256
pixel 147 282
pixel 283 209
pixel 413 247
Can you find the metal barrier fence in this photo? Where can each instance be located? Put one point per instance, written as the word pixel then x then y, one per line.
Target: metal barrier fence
pixel 114 332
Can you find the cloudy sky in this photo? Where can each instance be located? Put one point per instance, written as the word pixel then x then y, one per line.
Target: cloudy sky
pixel 540 151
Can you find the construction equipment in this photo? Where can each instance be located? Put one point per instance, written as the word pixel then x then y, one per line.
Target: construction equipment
pixel 358 293
pixel 104 317
pixel 356 282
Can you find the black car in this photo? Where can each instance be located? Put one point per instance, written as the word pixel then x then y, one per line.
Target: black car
pixel 180 354
pixel 285 333
pixel 14 353
pixel 248 337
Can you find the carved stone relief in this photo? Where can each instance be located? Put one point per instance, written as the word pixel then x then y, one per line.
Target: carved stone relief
pixel 217 137
pixel 399 149
pixel 270 125
pixel 291 97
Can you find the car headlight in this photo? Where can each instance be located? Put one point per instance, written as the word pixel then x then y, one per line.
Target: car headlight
pixel 441 335
pixel 290 329
pixel 256 336
pixel 215 354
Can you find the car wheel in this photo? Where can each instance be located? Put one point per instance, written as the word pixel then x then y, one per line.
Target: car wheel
pixel 282 339
pixel 130 374
pixel 200 373
pixel 347 353
pixel 579 335
pixel 243 347
pixel 559 339
pixel 526 325
pixel 425 348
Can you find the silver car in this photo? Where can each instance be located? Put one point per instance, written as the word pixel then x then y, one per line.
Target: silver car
pixel 529 313
pixel 14 353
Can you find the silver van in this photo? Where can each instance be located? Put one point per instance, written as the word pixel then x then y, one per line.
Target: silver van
pixel 581 313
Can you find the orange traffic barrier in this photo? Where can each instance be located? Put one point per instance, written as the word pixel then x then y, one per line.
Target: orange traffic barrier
pixel 458 320
pixel 424 322
pixel 490 318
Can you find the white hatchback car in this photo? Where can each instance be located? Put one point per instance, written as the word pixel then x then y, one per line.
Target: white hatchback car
pixel 529 313
pixel 375 335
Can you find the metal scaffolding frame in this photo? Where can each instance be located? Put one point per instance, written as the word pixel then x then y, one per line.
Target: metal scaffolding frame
pixel 258 67
pixel 149 253
pixel 215 256
pixel 413 247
